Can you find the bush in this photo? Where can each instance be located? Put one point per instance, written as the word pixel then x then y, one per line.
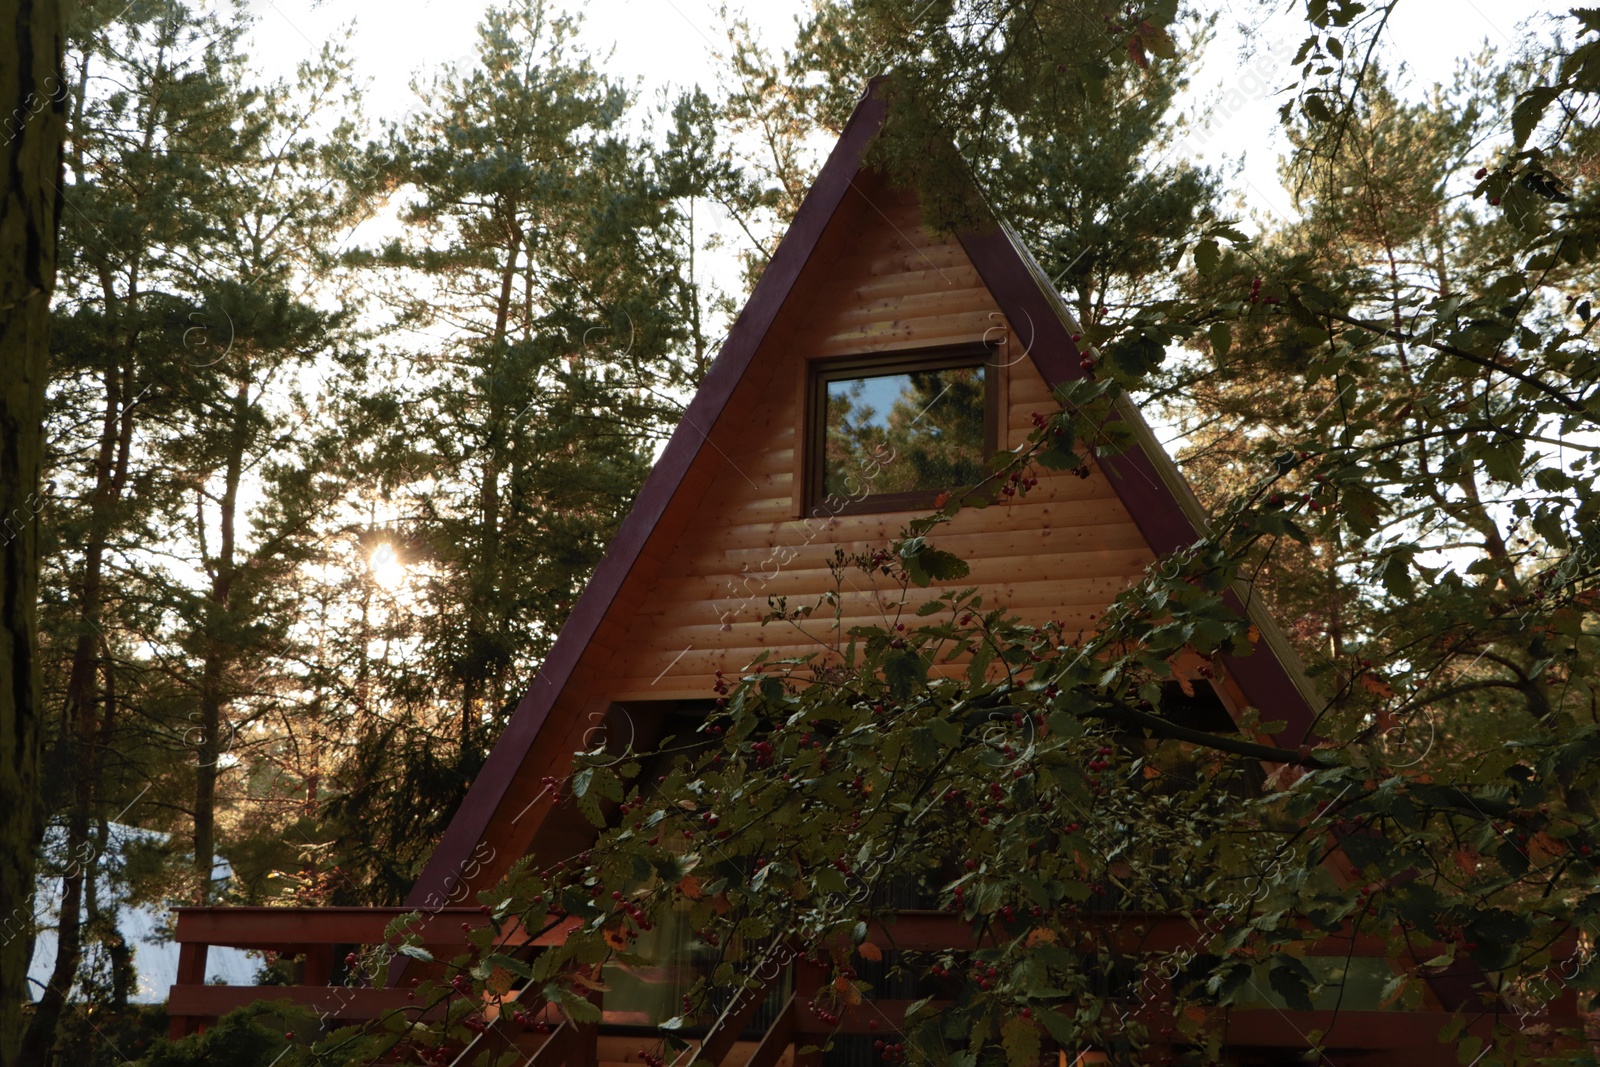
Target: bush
pixel 252 1036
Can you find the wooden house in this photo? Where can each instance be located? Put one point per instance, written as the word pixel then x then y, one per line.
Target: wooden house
pixel 749 500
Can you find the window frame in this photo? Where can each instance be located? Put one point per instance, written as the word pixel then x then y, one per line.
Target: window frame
pixel 820 373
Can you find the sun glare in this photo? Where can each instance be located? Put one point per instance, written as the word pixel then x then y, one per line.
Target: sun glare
pixel 385 567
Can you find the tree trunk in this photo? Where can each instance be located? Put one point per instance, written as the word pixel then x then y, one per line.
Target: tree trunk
pixel 219 646
pixel 41 1035
pixel 488 563
pixel 32 96
pixel 84 731
pixel 83 853
pixel 207 751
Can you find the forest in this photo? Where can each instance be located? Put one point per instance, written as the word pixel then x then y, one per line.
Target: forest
pixel 310 497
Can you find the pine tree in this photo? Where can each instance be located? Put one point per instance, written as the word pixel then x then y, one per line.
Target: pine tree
pixel 200 208
pixel 113 370
pixel 544 265
pixel 33 100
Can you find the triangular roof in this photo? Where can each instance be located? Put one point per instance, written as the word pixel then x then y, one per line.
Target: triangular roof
pixel 1146 480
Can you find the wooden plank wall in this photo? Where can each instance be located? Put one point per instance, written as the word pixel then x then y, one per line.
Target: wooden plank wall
pixel 1063 552
pixel 732 535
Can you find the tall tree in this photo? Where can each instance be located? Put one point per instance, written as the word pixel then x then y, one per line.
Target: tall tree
pixel 32 96
pixel 201 209
pixel 543 267
pixel 114 371
pixel 277 207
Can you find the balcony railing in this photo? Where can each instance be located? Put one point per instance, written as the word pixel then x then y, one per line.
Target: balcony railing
pixel 782 1020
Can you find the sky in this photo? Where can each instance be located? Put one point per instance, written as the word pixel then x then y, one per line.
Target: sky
pixel 670 44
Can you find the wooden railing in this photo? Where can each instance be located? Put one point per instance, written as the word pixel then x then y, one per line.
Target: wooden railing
pixel 312 935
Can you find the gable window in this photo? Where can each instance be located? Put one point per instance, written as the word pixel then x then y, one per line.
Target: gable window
pixel 893 433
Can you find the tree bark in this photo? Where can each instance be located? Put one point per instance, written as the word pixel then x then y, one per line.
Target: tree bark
pixel 33 106
pixel 85 727
pixel 219 646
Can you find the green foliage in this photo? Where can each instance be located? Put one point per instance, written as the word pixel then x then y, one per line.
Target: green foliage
pixel 1389 407
pixel 256 1036
pixel 1393 401
pixel 239 420
pixel 555 253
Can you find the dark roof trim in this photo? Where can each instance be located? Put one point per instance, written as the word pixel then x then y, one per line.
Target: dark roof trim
pixel 467 828
pixel 1152 488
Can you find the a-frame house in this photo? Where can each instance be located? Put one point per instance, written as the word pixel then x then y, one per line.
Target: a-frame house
pixel 740 507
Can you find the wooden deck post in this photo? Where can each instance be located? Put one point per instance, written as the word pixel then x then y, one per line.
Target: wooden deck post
pixel 585 1049
pixel 319 965
pixel 808 979
pixel 1159 1017
pixel 191 971
pixel 779 1036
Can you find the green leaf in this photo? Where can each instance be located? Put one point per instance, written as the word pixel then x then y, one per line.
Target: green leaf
pixel 578 1009
pixel 903 670
pixel 829 880
pixel 978 668
pixel 590 786
pixel 1552 479
pixel 1021 1040
pixel 945 732
pixel 1291 980
pixel 515 966
pixel 1396 576
pixel 1207 256
pixel 416 952
pixel 1529 109
pixel 1062 1029
pixel 943 566
pixel 1136 356
pixel 1221 336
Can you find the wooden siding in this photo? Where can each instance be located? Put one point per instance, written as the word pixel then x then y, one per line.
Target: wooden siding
pixel 1063 552
pixel 733 534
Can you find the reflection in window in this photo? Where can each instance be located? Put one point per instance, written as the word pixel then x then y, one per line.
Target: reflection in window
pixel 918 431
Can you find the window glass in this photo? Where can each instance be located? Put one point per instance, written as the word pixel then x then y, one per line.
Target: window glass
pixel 909 432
